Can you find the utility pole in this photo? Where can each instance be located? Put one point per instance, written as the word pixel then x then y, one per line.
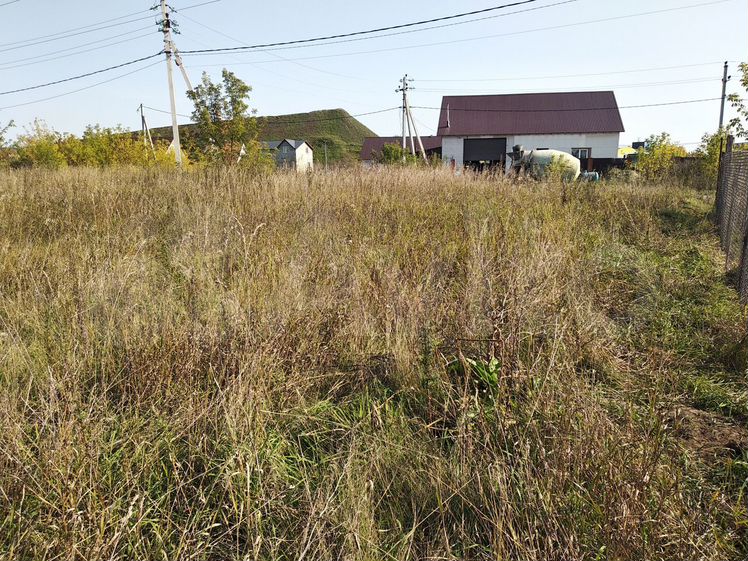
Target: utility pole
pixel 146 132
pixel 169 51
pixel 410 129
pixel 725 79
pixel 325 156
pixel 415 130
pixel 404 89
pixel 408 119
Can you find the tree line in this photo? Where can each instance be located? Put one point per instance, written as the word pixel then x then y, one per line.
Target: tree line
pixel 225 132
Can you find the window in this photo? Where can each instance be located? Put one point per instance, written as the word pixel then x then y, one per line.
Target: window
pixel 285 149
pixel 541 148
pixel 581 153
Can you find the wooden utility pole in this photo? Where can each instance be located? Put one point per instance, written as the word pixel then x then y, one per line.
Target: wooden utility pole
pixel 169 51
pixel 725 79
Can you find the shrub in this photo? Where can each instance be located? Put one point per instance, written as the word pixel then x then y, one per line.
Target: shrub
pixel 709 153
pixel 99 146
pixel 40 146
pixel 657 159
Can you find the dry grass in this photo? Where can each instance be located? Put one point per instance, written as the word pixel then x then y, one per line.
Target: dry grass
pixel 215 366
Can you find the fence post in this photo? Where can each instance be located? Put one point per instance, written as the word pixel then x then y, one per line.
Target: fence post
pixel 719 202
pixel 744 247
pixel 727 203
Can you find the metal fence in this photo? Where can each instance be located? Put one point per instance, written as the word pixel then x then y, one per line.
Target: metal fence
pixel 732 213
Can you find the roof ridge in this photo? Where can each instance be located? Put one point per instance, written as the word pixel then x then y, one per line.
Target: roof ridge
pixel 518 94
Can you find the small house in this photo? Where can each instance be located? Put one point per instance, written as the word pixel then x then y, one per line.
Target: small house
pixel 296 154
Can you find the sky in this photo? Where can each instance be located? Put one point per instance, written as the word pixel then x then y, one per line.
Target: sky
pixel 648 52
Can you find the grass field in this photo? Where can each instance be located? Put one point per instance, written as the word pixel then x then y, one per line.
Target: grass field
pixel 365 366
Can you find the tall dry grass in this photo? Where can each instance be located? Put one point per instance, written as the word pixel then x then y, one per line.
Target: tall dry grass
pixel 219 366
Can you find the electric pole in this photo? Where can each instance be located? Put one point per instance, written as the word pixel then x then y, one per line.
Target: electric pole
pixel 415 130
pixel 404 89
pixel 725 79
pixel 146 132
pixel 408 119
pixel 169 51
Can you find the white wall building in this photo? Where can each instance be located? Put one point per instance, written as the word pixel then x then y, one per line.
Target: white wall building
pixel 479 131
pixel 289 153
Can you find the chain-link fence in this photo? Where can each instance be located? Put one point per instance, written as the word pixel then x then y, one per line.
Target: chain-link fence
pixel 732 213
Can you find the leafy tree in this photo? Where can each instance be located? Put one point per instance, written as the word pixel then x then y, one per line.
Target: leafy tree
pixel 40 146
pixel 739 125
pixel 111 146
pixel 393 154
pixel 223 121
pixel 656 161
pixel 709 151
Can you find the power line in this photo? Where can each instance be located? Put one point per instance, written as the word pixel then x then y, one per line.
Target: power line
pixel 479 38
pixel 5 65
pixel 146 67
pixel 564 110
pixel 587 75
pixel 296 122
pixel 90 28
pixel 165 112
pixel 283 76
pixel 191 6
pixel 399 108
pixel 273 54
pixel 364 32
pixel 74 29
pixel 60 37
pixel 469 39
pixel 342 118
pixel 670 103
pixel 86 75
pixel 9 3
pixel 593 88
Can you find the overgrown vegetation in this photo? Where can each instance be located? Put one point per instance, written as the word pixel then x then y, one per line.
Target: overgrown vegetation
pixel 394 154
pixel 656 161
pixel 739 124
pixel 395 365
pixel 42 147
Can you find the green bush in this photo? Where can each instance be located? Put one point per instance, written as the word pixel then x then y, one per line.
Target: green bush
pixel 657 160
pixel 394 154
pixel 43 147
pixel 40 147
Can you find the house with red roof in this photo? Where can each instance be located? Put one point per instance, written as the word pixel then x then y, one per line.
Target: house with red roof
pixel 479 131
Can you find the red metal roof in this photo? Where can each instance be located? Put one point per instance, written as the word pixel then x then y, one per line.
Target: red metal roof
pixel 373 145
pixel 541 113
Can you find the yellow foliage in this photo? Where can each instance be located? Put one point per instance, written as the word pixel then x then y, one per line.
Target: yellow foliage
pixel 657 159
